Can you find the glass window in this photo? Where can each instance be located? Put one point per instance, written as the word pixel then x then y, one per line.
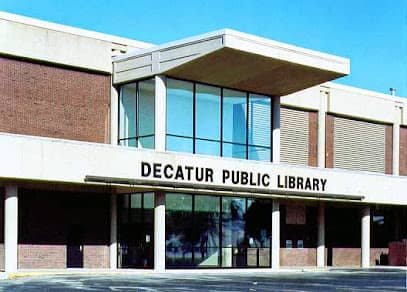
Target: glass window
pixel 234 116
pixel 147 107
pixel 207 112
pixel 227 122
pixel 137 114
pixel 128 110
pixel 179 108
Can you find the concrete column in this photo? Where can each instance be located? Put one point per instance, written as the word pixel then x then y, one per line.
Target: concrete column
pixel 10 228
pixel 114 116
pixel 275 236
pixel 159 232
pixel 113 231
pixel 323 107
pixel 365 257
pixel 160 112
pixel 321 236
pixel 396 141
pixel 276 129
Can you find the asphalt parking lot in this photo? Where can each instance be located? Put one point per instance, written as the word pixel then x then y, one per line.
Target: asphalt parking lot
pixel 338 280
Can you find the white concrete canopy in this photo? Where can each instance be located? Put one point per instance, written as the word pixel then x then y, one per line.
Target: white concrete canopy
pixel 236 60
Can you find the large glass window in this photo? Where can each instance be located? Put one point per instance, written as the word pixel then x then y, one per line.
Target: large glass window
pixel 213 231
pixel 180 116
pixel 218 121
pixel 136 230
pixel 137 112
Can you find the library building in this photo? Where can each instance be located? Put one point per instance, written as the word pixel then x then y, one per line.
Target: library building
pixel 219 151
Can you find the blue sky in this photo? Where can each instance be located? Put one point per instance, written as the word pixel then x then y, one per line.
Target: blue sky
pixel 372 33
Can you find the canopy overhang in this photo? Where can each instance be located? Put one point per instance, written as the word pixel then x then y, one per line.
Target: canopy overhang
pixel 235 60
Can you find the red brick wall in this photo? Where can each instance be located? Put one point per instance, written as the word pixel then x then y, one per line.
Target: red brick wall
pixel 348 257
pixel 96 256
pixel 46 220
pixel 313 139
pixel 403 151
pixel 48 101
pixel 300 257
pixel 398 253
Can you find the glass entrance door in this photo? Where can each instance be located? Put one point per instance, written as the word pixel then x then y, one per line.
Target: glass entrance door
pixel 136 230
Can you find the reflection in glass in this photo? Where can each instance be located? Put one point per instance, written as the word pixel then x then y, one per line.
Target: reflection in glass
pixel 234 116
pixel 137 114
pixel 179 144
pixel 128 110
pixel 146 107
pixel 234 150
pixel 207 112
pixel 207 147
pixel 179 108
pixel 179 230
pixel 259 120
pixel 136 231
pixel 259 153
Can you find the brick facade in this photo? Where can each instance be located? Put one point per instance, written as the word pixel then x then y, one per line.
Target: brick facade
pixel 298 257
pixel 48 101
pixel 52 222
pixel 329 141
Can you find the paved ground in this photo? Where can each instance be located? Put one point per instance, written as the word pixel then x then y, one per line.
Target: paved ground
pixel 338 280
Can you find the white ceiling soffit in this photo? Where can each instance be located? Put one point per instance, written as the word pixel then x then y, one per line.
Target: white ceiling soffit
pixel 236 60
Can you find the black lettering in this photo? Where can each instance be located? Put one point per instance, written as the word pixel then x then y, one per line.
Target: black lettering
pixel 189 169
pixel 315 184
pixel 179 174
pixel 323 183
pixel 251 182
pixel 244 176
pixel 279 183
pixel 145 169
pixel 209 175
pixel 225 175
pixel 199 174
pixel 300 182
pixel 291 182
pixel 157 170
pixel 308 184
pixel 265 180
pixel 166 173
pixel 235 177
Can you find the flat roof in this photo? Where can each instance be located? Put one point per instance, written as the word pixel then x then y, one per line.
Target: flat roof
pixel 233 59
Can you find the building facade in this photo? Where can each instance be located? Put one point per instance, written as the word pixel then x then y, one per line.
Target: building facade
pixel 224 150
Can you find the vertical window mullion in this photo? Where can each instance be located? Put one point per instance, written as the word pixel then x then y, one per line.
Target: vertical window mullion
pixel 194 118
pixel 221 122
pixel 137 114
pixel 247 125
pixel 271 127
pixel 118 116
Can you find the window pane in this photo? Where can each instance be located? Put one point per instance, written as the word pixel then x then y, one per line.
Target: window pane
pixel 179 230
pixel 148 200
pixel 128 96
pixel 146 142
pixel 206 243
pixel 179 144
pixel 179 107
pixel 233 221
pixel 234 150
pixel 259 120
pixel 234 116
pixel 259 153
pixel 207 112
pixel 128 142
pixel 146 107
pixel 207 147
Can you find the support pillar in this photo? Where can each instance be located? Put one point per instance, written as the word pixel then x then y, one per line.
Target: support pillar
pixel 159 232
pixel 321 236
pixel 160 112
pixel 113 231
pixel 365 256
pixel 276 129
pixel 275 236
pixel 10 228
